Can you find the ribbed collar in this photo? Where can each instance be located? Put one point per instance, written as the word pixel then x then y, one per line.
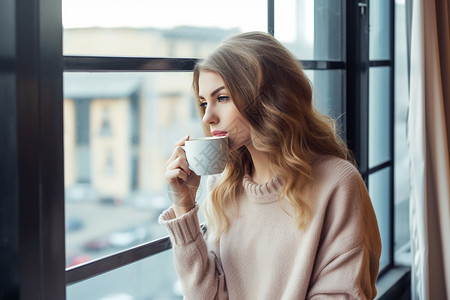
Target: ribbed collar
pixel 263 193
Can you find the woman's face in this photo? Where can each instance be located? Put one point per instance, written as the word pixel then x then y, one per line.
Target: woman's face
pixel 221 114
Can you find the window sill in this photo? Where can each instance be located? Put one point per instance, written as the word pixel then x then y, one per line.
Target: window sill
pixel 395 284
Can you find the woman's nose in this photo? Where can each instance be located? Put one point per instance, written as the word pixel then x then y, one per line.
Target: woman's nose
pixel 210 117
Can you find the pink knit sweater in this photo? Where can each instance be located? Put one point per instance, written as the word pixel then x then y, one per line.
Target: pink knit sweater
pixel 264 255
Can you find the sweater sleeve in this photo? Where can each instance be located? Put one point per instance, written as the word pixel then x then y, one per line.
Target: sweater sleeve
pixel 198 268
pixel 347 260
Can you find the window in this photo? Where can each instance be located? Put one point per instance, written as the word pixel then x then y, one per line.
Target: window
pixel 402 184
pixel 121 95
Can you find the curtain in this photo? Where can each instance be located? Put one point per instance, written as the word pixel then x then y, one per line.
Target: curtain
pixel 429 137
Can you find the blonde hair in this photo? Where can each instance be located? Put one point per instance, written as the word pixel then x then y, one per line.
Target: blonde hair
pixel 270 90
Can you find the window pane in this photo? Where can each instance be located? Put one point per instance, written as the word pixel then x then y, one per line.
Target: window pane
pixel 119 131
pixel 170 28
pixel 379 115
pixel 311 29
pixel 329 94
pixel 379 29
pixel 150 278
pixel 401 170
pixel 379 190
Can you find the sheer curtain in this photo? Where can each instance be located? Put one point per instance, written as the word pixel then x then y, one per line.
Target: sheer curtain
pixel 429 137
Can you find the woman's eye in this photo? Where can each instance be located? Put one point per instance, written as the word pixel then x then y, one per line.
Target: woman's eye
pixel 223 98
pixel 203 104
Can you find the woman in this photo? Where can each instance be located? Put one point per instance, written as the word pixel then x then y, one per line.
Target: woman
pixel 290 217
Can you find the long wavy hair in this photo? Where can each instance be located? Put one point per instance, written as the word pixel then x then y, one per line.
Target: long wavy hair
pixel 269 88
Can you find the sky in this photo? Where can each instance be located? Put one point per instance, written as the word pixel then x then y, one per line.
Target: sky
pixel 164 13
pixel 247 15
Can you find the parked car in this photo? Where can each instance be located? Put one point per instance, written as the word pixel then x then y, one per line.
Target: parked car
pixel 73 224
pixel 97 244
pixel 129 237
pixel 76 259
pixel 80 192
pixel 111 200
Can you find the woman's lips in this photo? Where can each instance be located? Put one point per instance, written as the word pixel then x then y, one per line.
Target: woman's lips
pixel 219 133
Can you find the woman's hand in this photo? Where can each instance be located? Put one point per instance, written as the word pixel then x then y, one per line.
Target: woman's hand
pixel 182 181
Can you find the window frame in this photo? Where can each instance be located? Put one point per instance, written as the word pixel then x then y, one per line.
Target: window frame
pixel 358 65
pixel 32 182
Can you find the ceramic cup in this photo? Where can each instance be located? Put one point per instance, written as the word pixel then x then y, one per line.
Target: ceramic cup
pixel 207 155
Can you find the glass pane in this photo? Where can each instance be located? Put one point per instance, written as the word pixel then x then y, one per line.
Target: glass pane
pixel 379 29
pixel 170 28
pixel 379 190
pixel 119 131
pixel 402 183
pixel 329 94
pixel 379 115
pixel 150 278
pixel 311 29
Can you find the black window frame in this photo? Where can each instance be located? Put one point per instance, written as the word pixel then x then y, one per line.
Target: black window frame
pixel 32 250
pixel 31 60
pixel 358 66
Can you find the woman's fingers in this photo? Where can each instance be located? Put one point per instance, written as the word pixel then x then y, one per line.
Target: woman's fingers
pixel 177 165
pixel 177 152
pixel 178 174
pixel 186 138
pixel 180 163
pixel 181 142
pixel 175 174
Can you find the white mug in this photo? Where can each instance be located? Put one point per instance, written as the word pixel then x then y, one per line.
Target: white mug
pixel 207 155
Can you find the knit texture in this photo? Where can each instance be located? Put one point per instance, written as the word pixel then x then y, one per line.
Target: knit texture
pixel 264 255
